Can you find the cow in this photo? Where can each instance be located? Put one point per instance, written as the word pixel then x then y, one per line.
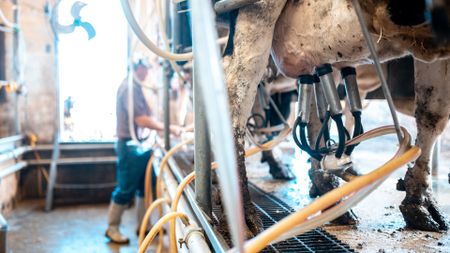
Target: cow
pixel 271 109
pixel 303 34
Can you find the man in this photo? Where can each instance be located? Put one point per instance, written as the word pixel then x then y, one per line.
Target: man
pixel 131 157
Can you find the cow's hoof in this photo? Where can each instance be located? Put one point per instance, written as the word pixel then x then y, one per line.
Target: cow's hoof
pixel 322 182
pixel 348 218
pixel 281 171
pixel 253 221
pixel 425 217
pixel 277 169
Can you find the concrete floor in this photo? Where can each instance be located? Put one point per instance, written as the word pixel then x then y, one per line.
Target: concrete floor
pixel 381 226
pixel 81 228
pixel 71 229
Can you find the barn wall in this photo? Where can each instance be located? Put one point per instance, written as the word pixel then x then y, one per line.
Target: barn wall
pixel 37 105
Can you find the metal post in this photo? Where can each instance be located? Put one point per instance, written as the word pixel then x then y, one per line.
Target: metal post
pixel 52 175
pixel 376 60
pixel 57 123
pixel 166 104
pixel 3 235
pixel 207 54
pixel 166 83
pixel 16 67
pixel 202 150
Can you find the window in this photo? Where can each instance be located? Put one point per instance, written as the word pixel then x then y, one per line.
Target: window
pixel 90 71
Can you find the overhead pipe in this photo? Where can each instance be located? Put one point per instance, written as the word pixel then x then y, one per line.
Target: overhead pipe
pixel 207 53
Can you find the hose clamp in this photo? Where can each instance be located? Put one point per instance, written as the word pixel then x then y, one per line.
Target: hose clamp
pixel 331 163
pixel 191 230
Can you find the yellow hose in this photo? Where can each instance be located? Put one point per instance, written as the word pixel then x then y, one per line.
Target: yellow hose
pixel 148 193
pixel 164 161
pixel 147 215
pixel 158 227
pixel 189 178
pixel 265 238
pixel 172 236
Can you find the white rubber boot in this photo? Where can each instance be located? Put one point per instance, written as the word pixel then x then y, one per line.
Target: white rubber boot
pixel 140 212
pixel 114 217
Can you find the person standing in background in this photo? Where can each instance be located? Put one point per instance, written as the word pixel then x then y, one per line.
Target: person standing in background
pixel 131 157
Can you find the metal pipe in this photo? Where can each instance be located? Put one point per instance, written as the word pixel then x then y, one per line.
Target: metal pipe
pixel 192 237
pixel 376 60
pixel 16 68
pixel 305 92
pixel 12 169
pixel 326 78
pixel 13 154
pixel 351 87
pixel 53 173
pixel 3 235
pixel 166 104
pixel 229 5
pixel 175 25
pixel 202 150
pixel 10 139
pixel 321 102
pixel 217 242
pixel 75 160
pixel 166 81
pixel 206 52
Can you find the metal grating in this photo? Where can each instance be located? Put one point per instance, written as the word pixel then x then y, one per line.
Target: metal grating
pixel 272 210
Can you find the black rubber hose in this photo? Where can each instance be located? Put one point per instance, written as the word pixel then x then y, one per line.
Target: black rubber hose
pixel 358 130
pixel 314 154
pixel 294 134
pixel 324 132
pixel 302 143
pixel 342 138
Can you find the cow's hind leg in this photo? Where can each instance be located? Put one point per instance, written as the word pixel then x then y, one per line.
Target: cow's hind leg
pixel 244 69
pixel 323 182
pixel 419 208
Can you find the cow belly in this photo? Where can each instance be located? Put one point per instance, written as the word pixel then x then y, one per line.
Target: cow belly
pixel 311 33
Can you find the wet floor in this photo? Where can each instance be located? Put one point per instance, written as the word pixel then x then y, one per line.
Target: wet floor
pixel 381 226
pixel 74 229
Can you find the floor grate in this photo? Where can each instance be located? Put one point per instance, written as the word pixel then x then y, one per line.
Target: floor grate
pixel 271 210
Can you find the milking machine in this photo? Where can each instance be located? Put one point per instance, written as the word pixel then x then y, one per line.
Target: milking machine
pixel 333 156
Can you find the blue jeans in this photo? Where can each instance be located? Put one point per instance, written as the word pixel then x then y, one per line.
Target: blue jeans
pixel 131 164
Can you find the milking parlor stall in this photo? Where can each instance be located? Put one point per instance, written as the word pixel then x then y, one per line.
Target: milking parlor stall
pixel 224 126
